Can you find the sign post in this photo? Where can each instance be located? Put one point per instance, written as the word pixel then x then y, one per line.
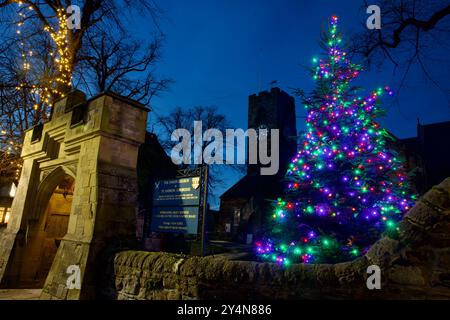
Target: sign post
pixel 180 205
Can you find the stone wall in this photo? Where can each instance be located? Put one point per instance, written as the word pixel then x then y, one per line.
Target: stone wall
pixel 416 265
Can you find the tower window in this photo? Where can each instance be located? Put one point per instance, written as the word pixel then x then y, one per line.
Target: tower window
pixel 237 217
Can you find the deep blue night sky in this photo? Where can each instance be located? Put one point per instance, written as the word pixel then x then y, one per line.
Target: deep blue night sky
pixel 219 52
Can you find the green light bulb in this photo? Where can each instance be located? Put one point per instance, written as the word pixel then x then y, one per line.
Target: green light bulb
pixel 390 224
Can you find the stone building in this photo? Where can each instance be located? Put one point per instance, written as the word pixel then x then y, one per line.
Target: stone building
pixel 427 154
pixel 76 195
pixel 242 206
pixel 274 109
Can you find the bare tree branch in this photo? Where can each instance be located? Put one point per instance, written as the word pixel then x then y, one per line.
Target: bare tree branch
pixel 409 30
pixel 28 61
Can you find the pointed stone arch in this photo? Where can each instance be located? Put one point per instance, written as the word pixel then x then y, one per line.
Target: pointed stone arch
pixel 48 185
pixel 46 224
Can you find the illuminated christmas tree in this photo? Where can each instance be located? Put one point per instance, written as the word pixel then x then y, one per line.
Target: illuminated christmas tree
pixel 346 186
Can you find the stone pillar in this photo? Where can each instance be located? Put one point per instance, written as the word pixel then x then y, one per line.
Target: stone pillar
pixel 13 231
pixel 97 143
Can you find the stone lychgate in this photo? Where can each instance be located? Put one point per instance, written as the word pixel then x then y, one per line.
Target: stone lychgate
pixel 76 195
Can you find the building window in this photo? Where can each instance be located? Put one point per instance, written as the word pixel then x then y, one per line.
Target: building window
pixel 237 217
pixel 5 214
pixel 37 133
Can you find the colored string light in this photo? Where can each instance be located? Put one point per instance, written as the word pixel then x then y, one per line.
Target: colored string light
pixel 41 92
pixel 346 185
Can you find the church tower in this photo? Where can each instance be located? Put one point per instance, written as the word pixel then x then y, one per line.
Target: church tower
pixel 274 109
